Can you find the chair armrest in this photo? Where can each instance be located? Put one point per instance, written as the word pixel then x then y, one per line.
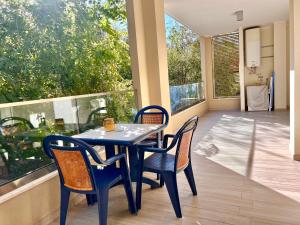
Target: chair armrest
pixel 169 136
pixel 154 150
pixel 114 159
pixel 166 139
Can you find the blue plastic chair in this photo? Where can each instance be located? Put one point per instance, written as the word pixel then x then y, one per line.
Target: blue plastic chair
pixel 78 175
pixel 168 165
pixel 12 125
pixel 152 114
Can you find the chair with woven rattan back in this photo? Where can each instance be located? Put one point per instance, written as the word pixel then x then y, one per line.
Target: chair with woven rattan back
pixel 76 173
pixel 152 114
pixel 13 125
pixel 168 165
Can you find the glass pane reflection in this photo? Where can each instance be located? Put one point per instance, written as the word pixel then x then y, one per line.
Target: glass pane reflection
pixel 24 125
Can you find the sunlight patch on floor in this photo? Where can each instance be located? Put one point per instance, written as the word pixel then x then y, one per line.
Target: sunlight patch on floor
pixel 229 143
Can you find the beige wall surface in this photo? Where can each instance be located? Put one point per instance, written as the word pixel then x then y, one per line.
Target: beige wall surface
pixel 295 78
pixel 288 64
pixel 224 104
pixel 267 61
pixel 180 118
pixel 32 207
pixel 38 205
pixel 280 64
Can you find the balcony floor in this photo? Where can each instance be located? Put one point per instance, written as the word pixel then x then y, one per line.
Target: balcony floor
pixel 243 172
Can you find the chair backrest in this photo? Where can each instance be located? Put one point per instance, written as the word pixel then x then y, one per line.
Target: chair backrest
pixel 70 156
pixel 152 114
pixel 92 115
pixel 184 139
pixel 14 125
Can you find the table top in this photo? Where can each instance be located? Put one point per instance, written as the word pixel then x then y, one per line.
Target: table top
pixel 125 134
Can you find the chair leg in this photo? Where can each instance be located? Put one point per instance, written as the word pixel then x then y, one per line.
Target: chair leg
pixel 91 199
pixel 139 181
pixel 64 203
pixel 128 187
pixel 102 195
pixel 161 181
pixel 190 177
pixel 171 183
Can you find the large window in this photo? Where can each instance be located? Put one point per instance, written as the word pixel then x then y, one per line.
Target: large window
pixel 52 49
pixel 226 65
pixel 184 64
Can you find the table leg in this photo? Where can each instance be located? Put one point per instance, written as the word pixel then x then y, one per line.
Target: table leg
pixel 133 162
pixel 159 136
pixel 110 152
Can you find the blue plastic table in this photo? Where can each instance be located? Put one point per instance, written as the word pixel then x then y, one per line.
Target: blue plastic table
pixel 125 136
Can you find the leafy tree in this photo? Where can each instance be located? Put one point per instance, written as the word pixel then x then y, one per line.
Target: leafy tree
pixel 184 62
pixel 226 65
pixel 53 48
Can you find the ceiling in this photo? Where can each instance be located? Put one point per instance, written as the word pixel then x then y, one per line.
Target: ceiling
pixel 212 17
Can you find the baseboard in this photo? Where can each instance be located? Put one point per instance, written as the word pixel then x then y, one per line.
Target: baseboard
pixel 296 157
pixel 282 110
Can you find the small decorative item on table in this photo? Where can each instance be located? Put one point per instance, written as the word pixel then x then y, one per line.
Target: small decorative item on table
pixel 109 124
pixel 59 123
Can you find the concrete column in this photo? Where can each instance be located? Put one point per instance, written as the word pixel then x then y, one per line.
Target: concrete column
pixel 280 64
pixel 242 69
pixel 148 49
pixel 295 78
pixel 209 69
pixel 137 51
pixel 203 64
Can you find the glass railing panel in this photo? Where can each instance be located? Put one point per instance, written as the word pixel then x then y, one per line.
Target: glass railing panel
pixel 24 125
pixel 92 110
pixel 184 96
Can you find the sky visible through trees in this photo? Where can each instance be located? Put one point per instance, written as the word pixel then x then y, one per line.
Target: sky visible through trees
pixel 54 48
pixel 184 62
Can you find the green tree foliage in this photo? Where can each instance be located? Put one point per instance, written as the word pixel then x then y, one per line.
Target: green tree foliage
pixel 226 65
pixel 184 62
pixel 53 48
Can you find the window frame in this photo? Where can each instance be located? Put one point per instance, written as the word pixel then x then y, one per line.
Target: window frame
pixel 213 69
pixel 201 81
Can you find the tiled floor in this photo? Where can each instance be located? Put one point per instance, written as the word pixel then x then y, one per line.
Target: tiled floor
pixel 243 172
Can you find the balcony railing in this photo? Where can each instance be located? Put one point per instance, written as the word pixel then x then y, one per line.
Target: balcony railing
pixel 184 96
pixel 23 126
